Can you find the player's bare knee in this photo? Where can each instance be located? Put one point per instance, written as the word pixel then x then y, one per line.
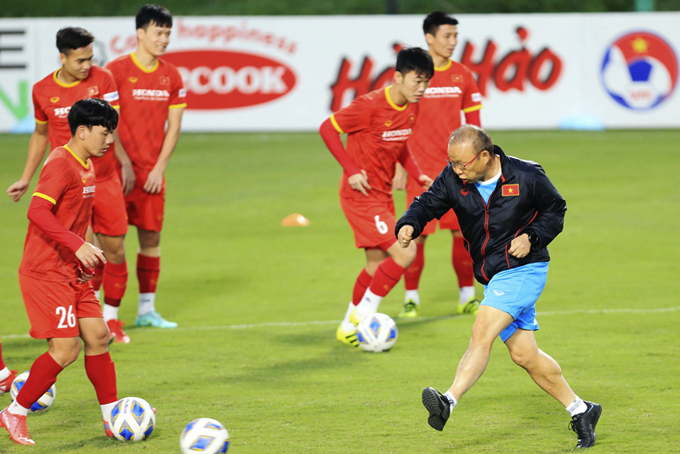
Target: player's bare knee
pixel 405 256
pixel 65 354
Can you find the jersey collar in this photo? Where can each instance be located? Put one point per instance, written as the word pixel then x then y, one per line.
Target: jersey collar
pixel 392 103
pixel 445 67
pixel 84 164
pixel 62 84
pixel 140 66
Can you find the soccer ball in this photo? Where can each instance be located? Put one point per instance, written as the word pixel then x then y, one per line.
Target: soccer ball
pixel 132 419
pixel 43 404
pixel 204 435
pixel 377 333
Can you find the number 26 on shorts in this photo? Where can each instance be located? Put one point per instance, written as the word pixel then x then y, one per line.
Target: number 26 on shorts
pixel 67 320
pixel 380 225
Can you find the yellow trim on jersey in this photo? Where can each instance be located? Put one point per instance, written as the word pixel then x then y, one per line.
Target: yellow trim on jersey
pixel 336 125
pixel 40 122
pixel 86 165
pixel 178 106
pixel 140 66
pixel 445 67
pixel 62 84
pixel 472 109
pixel 116 107
pixel 392 103
pixel 44 196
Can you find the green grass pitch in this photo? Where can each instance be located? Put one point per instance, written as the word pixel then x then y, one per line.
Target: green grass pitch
pixel 258 305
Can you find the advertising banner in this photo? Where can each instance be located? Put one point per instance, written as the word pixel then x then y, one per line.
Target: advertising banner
pixel 534 71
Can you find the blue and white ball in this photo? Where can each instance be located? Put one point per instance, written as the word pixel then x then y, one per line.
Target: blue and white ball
pixel 377 333
pixel 204 435
pixel 132 419
pixel 43 404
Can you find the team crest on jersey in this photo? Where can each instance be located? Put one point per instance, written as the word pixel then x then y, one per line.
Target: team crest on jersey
pixel 165 80
pixel 133 79
pixel 388 123
pixel 54 99
pixel 510 190
pixel 457 78
pixel 93 91
pixel 84 180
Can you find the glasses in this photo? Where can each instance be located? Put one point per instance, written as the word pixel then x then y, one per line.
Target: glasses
pixel 457 165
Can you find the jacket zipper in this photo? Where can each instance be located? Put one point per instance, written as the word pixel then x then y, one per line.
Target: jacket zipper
pixel 486 229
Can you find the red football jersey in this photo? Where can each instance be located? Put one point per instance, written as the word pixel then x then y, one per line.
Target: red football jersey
pixel 452 88
pixel 377 130
pixel 145 97
pixel 67 182
pixel 52 100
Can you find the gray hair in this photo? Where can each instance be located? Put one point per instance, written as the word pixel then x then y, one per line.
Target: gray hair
pixel 474 135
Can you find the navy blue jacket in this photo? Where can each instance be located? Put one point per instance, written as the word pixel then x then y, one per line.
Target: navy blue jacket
pixel 524 201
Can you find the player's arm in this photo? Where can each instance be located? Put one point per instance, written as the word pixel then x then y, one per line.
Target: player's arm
pixel 36 152
pixel 154 182
pixel 399 180
pixel 472 101
pixel 128 175
pixel 473 117
pixel 331 137
pixel 411 166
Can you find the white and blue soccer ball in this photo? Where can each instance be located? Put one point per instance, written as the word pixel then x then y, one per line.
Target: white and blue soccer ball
pixel 377 333
pixel 132 419
pixel 43 404
pixel 204 435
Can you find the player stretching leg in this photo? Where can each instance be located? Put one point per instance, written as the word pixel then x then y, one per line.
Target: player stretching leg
pixel 57 265
pixel 377 126
pixel 151 95
pixel 6 376
pixel 452 89
pixel 53 97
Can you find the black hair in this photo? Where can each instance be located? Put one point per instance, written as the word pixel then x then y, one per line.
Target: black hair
pixel 71 38
pixel 479 138
pixel 92 112
pixel 153 14
pixel 414 59
pixel 435 19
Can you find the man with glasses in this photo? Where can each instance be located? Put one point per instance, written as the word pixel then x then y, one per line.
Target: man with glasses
pixel 509 212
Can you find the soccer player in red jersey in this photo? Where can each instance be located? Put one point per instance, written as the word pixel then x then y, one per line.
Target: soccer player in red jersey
pixel 57 265
pixel 377 127
pixel 53 97
pixel 151 95
pixel 453 88
pixel 6 376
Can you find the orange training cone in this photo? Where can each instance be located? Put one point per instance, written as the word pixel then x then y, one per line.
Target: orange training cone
pixel 294 219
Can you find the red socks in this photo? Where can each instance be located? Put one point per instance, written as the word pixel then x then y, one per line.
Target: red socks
pixel 102 373
pixel 386 277
pixel 2 362
pixel 44 373
pixel 98 277
pixel 148 269
pixel 115 283
pixel 360 286
pixel 412 275
pixel 462 263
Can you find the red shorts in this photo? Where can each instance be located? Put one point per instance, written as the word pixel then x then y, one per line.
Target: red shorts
pixel 54 308
pixel 108 210
pixel 372 221
pixel 449 221
pixel 144 210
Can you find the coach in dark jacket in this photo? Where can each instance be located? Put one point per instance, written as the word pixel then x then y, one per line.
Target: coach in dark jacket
pixel 508 211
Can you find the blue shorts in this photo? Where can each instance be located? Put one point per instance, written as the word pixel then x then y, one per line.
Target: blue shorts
pixel 515 291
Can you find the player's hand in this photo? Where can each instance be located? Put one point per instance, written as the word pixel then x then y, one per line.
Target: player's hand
pixel 425 182
pixel 90 255
pixel 405 236
pixel 359 182
pixel 399 180
pixel 16 190
pixel 85 275
pixel 154 182
pixel 128 178
pixel 520 246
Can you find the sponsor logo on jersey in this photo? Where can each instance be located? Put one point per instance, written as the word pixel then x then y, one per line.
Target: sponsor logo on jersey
pixel 639 70
pixel 110 97
pixel 182 93
pixel 62 112
pixel 220 79
pixel 54 99
pixel 92 91
pixel 443 92
pixel 396 135
pixel 145 94
pixel 88 191
pixel 476 97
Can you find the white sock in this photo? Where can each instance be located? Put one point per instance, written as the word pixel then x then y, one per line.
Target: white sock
pixel 106 411
pixel 466 294
pixel 146 303
pixel 4 373
pixel 452 400
pixel 577 407
pixel 369 304
pixel 412 295
pixel 17 409
pixel 110 312
pixel 346 324
pixel 96 293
